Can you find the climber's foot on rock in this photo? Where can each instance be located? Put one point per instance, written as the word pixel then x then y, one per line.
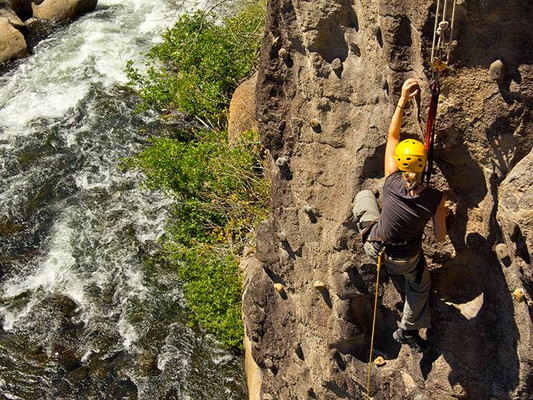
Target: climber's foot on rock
pixel 413 339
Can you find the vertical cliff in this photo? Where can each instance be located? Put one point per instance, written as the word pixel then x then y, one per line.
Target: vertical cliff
pixel 330 76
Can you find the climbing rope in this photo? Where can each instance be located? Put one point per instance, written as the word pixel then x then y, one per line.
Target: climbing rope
pixel 440 57
pixel 451 31
pixel 442 37
pixel 373 325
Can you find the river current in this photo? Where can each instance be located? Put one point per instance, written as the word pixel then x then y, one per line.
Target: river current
pixel 82 316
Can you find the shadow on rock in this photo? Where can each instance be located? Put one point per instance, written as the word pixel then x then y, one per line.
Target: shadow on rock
pixel 473 326
pixel 387 315
pixel 428 358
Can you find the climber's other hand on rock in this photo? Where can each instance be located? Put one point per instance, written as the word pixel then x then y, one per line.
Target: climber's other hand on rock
pixel 410 88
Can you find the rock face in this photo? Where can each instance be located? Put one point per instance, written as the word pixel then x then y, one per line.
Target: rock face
pixel 330 77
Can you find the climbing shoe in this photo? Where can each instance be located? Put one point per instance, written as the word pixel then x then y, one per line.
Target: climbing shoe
pixel 413 339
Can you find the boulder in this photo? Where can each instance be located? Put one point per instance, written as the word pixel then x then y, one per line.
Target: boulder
pixel 7 12
pixel 241 116
pixel 12 42
pixel 62 10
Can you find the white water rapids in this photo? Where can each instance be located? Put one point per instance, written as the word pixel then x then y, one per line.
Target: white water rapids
pixel 82 316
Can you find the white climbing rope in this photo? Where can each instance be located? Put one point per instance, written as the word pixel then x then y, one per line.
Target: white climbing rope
pixel 435 33
pixel 451 31
pixel 442 41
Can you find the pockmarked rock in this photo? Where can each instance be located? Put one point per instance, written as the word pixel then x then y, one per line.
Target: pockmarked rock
pixel 482 162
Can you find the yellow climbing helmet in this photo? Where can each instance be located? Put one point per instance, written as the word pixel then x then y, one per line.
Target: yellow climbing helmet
pixel 410 155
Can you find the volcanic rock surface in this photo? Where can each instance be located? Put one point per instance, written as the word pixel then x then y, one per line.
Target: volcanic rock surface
pixel 330 77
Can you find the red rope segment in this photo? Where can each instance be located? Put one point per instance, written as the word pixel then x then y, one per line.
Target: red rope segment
pixel 430 127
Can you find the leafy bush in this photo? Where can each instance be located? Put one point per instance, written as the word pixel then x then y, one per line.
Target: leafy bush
pixel 221 194
pixel 213 289
pixel 217 185
pixel 199 63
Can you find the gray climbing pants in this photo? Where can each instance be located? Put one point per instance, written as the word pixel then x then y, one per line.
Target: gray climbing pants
pixel 416 312
pixel 365 209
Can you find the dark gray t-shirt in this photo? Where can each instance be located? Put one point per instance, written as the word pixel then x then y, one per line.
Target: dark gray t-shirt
pixel 404 217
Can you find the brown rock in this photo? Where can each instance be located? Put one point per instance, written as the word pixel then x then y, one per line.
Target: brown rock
pixel 7 12
pixel 241 116
pixel 484 168
pixel 516 204
pixel 12 42
pixel 62 10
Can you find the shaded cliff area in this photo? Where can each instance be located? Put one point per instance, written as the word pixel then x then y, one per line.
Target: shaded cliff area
pixel 324 125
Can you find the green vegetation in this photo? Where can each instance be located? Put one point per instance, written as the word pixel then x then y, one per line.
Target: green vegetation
pixel 220 191
pixel 199 63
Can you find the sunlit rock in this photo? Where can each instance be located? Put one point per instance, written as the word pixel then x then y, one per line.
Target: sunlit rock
pixel 12 42
pixel 62 10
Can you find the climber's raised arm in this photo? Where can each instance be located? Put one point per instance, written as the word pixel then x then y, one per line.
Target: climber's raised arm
pixel 409 89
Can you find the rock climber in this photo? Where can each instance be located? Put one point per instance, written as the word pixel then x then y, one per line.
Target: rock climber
pixel 407 205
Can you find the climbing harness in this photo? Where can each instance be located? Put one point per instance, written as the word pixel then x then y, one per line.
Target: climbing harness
pixel 430 127
pixel 440 58
pixel 380 254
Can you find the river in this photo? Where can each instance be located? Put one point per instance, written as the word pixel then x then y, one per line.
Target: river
pixel 81 314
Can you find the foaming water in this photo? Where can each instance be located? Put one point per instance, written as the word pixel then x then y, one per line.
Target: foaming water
pixel 92 50
pixel 80 312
